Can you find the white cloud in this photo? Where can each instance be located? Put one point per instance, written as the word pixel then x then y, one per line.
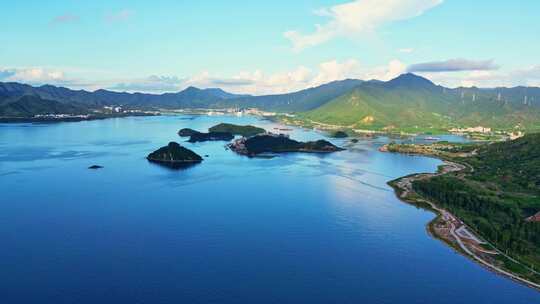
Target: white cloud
pixel 387 72
pixel 152 84
pixel 257 82
pixel 254 82
pixel 529 76
pixel 358 17
pixel 334 70
pixel 33 75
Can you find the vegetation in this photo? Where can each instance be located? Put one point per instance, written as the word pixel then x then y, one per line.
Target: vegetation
pixel 245 131
pixel 339 134
pixel 30 105
pixel 279 144
pixel 187 132
pixel 413 104
pixel 496 197
pixel 174 155
pixel 408 103
pixel 210 136
pixel 442 149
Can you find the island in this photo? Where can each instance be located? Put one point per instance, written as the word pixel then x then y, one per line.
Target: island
pixel 210 136
pixel 196 136
pixel 279 143
pixel 174 155
pixel 339 134
pixel 245 131
pixel 487 200
pixel 95 167
pixel 187 132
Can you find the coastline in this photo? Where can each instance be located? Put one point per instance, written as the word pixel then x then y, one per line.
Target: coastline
pixel 449 229
pixel 74 118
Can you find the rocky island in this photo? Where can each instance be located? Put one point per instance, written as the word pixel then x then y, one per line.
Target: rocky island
pixel 174 155
pixel 245 131
pixel 274 143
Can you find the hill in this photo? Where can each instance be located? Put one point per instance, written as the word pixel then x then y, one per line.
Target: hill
pixel 30 105
pixel 407 103
pixel 413 103
pixel 191 97
pixel 300 101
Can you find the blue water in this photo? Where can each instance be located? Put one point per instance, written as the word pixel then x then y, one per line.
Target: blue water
pixel 299 228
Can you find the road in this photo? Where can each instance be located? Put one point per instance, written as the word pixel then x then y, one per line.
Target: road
pixel 456 225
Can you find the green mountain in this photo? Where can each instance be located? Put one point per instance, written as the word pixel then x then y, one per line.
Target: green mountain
pixel 191 97
pixel 30 105
pixel 407 103
pixel 300 101
pixel 413 103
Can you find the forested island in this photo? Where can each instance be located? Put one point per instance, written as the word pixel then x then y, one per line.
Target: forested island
pixel 279 143
pixel 488 190
pixel 196 136
pixel 174 155
pixel 245 131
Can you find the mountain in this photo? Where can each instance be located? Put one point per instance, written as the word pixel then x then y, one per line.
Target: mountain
pixel 413 103
pixel 30 105
pixel 189 98
pixel 407 103
pixel 300 101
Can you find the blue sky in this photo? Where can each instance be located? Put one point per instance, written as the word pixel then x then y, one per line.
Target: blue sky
pixel 270 47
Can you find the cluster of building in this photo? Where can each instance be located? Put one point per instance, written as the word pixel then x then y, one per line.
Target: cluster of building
pixel 478 129
pixel 61 116
pixel 115 109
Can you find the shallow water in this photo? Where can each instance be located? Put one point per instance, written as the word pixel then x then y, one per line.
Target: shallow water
pixel 300 228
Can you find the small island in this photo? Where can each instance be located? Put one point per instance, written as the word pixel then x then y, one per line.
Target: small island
pixel 339 134
pixel 279 143
pixel 245 131
pixel 187 132
pixel 174 155
pixel 196 136
pixel 210 136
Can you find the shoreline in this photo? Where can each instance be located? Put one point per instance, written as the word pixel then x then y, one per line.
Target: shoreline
pixel 47 120
pixel 449 229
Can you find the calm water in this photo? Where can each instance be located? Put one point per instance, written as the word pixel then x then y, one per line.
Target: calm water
pixel 299 228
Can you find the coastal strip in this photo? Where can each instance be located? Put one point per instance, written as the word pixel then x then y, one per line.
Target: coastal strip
pixel 450 229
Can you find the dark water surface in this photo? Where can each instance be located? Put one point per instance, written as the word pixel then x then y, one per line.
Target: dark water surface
pixel 300 228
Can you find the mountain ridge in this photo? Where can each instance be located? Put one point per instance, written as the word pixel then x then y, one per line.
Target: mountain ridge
pixel 408 101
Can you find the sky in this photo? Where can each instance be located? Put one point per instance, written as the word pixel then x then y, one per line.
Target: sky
pixel 266 47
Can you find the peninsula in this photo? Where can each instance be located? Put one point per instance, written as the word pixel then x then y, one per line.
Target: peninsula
pixel 487 200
